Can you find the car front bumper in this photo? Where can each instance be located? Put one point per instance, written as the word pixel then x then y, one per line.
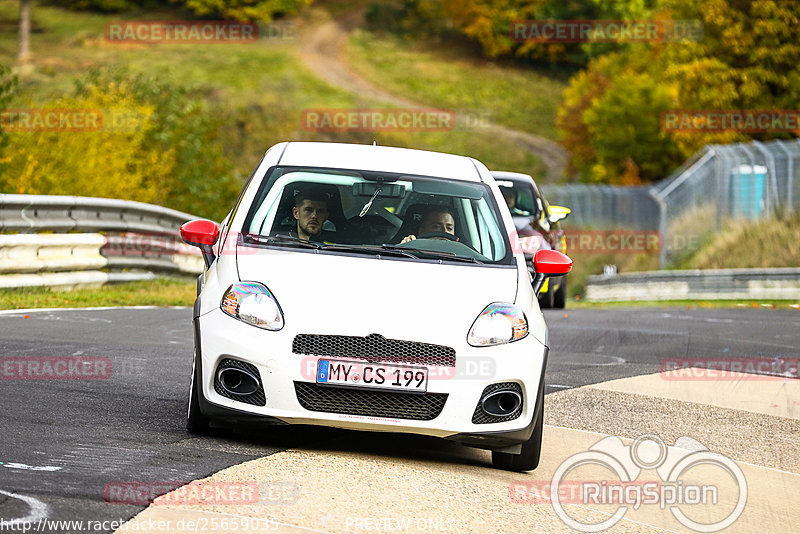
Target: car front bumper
pixel 218 336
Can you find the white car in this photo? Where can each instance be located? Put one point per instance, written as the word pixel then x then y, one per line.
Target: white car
pixel 372 288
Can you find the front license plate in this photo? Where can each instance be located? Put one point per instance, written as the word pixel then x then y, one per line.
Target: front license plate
pixel 372 375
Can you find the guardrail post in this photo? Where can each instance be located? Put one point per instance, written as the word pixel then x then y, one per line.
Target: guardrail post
pixel 662 227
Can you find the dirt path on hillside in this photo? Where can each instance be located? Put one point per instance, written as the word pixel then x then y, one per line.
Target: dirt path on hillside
pixel 322 50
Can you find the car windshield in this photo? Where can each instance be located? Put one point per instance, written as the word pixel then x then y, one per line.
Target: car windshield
pixel 366 212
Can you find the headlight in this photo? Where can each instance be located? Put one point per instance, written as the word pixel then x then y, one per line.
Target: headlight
pixel 253 304
pixel 498 323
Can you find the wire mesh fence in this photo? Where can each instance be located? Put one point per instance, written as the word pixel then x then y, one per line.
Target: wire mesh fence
pixel 605 206
pixel 745 181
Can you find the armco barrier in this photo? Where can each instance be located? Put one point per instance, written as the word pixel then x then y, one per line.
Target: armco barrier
pixel 713 284
pixel 34 213
pixel 137 240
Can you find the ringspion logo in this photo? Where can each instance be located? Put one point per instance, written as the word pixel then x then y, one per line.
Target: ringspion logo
pixel 685 475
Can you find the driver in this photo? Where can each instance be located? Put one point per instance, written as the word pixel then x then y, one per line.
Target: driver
pixel 437 219
pixel 511 201
pixel 311 211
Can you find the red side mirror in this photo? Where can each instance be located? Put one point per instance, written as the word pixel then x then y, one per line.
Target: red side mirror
pixel 551 263
pixel 200 233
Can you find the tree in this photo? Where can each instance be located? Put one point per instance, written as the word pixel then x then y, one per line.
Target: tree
pixel 24 30
pixel 746 59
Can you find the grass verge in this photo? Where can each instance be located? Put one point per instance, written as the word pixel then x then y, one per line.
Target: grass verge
pixel 449 77
pixel 157 292
pixel 261 88
pixel 773 242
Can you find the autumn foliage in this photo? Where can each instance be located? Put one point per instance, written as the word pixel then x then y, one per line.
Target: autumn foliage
pixel 745 58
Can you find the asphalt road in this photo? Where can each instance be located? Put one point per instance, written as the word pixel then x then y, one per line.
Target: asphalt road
pixel 62 442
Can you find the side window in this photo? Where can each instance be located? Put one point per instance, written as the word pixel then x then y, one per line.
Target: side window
pixel 525 201
pixel 490 240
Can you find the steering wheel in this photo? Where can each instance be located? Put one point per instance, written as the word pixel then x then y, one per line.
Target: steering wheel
pixel 433 235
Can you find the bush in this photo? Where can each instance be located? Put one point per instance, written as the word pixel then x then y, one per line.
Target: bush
pixel 164 151
pixel 8 83
pixel 746 60
pixel 243 10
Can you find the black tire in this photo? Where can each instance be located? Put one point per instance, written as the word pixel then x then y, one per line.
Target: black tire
pixel 196 422
pixel 528 458
pixel 560 296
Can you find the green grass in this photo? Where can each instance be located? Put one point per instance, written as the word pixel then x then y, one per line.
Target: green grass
pixel 771 242
pixel 451 77
pixel 158 292
pixel 740 244
pixel 261 88
pixel 586 264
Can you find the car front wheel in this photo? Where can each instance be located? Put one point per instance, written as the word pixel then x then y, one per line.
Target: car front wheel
pixel 196 422
pixel 528 458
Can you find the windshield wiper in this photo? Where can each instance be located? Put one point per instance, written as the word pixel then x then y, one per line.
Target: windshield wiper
pixel 331 246
pixel 285 239
pixel 370 249
pixel 391 249
pixel 436 253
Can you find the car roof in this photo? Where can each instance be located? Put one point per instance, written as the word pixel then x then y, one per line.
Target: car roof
pixel 379 158
pixel 514 176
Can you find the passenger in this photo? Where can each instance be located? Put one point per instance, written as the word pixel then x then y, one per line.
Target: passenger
pixel 437 219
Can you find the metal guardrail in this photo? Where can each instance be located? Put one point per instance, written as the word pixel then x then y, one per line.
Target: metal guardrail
pixel 712 284
pixel 137 240
pixel 35 213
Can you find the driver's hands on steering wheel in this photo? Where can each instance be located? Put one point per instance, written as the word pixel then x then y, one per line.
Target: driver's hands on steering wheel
pixel 444 236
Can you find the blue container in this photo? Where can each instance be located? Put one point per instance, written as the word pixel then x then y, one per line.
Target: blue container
pixel 747 191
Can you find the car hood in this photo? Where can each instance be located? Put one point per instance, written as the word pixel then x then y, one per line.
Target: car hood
pixel 362 295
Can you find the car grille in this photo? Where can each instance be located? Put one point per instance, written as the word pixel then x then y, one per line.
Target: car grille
pixel 480 417
pixel 257 398
pixel 374 348
pixel 421 407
